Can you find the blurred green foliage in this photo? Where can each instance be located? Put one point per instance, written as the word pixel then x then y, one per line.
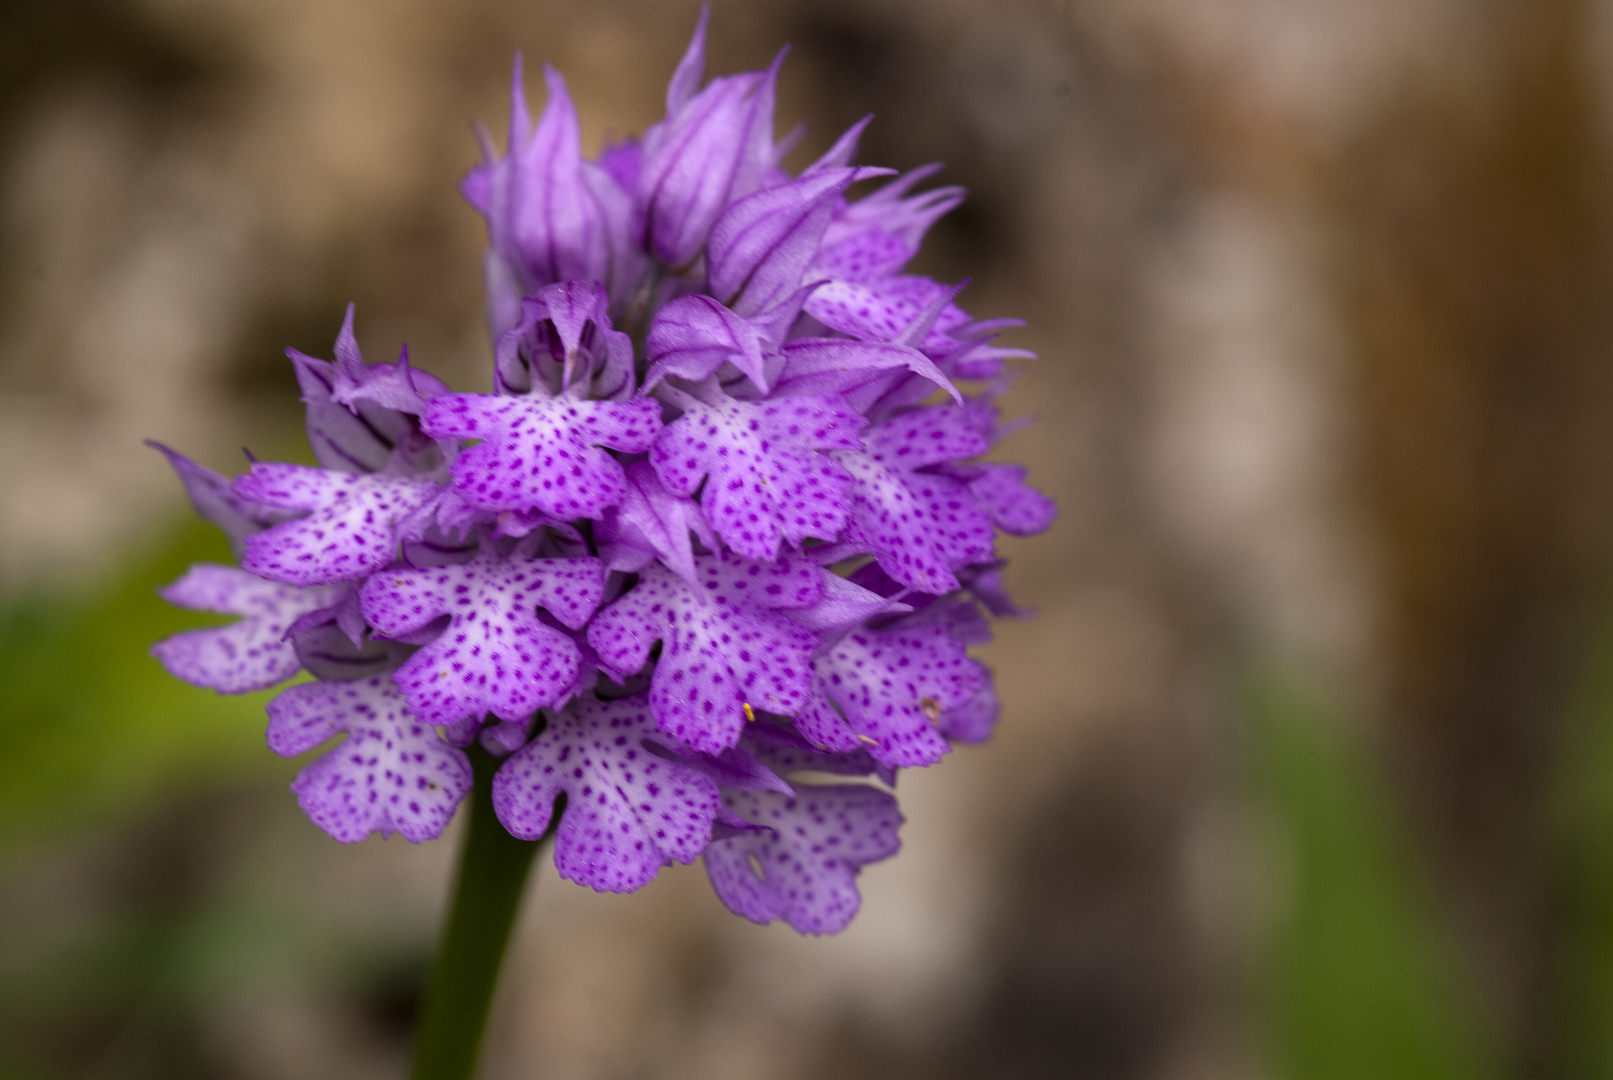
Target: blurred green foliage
pixel 1582 835
pixel 1355 973
pixel 94 728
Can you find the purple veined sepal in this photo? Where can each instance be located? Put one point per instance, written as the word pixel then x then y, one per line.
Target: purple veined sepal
pixel 496 651
pixel 551 215
pixel 335 642
pixel 214 497
pixel 353 524
pixel 876 377
pixel 362 418
pixel 652 523
pixel 766 481
pixel 762 244
pixel 252 654
pixel 800 858
pixel 629 810
pixel 872 238
pixel 728 649
pixel 563 342
pixel 715 146
pixel 695 338
pixel 393 772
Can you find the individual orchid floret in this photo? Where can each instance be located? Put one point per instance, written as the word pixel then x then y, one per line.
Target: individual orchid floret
pixel 551 215
pixel 564 343
pixel 542 453
pixel 362 418
pixel 801 863
pixel 888 689
pixel 728 651
pixel 714 146
pixel 629 811
pixel 495 654
pixel 765 480
pixel 354 526
pixel 252 654
pixel 392 773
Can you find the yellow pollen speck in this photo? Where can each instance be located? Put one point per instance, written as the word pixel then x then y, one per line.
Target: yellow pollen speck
pixel 870 742
pixel 750 714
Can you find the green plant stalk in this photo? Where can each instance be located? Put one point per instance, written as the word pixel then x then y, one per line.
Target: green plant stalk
pixel 493 868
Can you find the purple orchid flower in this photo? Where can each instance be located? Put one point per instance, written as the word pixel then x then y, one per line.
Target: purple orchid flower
pixel 726 522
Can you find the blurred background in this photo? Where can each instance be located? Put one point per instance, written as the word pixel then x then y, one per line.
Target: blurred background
pixel 1306 766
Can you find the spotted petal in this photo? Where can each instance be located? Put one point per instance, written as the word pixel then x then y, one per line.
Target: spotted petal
pixel 352 531
pixel 726 648
pixel 393 773
pixel 766 482
pixel 629 811
pixel 249 655
pixel 542 453
pixel 888 689
pixel 802 866
pixel 1015 506
pixel 496 654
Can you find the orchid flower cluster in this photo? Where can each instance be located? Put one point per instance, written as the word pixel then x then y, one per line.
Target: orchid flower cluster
pixel 720 528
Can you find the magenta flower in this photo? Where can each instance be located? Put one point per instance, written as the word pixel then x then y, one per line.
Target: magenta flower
pixel 723 526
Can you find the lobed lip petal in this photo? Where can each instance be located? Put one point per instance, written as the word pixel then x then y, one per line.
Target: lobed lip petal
pixel 392 773
pixel 888 689
pixel 252 654
pixel 629 811
pixel 802 865
pixel 354 525
pixel 725 646
pixel 543 454
pixel 495 654
pixel 765 482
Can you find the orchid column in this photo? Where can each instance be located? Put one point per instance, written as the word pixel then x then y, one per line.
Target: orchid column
pixel 722 522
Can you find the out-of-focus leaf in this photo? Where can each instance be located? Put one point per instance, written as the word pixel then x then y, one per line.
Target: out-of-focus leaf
pixel 1583 841
pixel 1356 975
pixel 93 726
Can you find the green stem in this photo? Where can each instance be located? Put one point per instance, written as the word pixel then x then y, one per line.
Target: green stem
pixel 493 867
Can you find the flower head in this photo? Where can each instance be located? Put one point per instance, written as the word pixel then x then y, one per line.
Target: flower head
pixel 721 526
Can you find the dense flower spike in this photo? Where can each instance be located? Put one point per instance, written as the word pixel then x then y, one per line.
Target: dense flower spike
pixel 723 525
